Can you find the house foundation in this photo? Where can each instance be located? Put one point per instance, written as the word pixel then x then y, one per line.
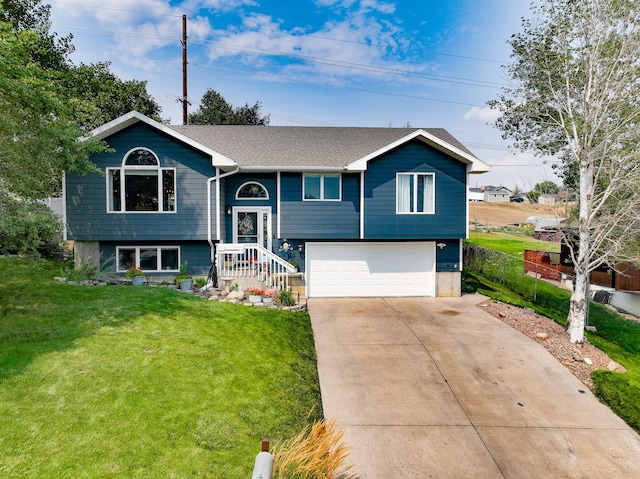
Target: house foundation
pixel 86 254
pixel 448 284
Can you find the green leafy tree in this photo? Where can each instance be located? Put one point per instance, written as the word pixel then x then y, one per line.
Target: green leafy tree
pixel 576 94
pixel 51 51
pixel 39 139
pixel 110 97
pixel 215 110
pixel 38 132
pixel 547 187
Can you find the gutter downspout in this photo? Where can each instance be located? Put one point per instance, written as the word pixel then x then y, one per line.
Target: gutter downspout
pixel 209 181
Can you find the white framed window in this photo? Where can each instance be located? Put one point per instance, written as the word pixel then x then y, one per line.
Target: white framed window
pixel 150 259
pixel 323 187
pixel 415 193
pixel 252 190
pixel 140 185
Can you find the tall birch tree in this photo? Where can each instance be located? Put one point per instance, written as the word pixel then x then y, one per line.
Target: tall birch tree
pixel 575 93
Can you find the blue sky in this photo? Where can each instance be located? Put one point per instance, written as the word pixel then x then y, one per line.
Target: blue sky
pixel 321 62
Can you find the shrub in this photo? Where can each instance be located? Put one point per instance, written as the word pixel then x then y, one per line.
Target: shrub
pixel 26 225
pixel 200 282
pixel 285 298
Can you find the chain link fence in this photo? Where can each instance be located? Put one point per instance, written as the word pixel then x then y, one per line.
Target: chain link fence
pixel 507 270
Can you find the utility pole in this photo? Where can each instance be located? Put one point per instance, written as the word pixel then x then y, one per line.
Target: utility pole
pixel 184 100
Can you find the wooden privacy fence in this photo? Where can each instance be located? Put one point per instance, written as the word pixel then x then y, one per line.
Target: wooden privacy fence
pixel 542 263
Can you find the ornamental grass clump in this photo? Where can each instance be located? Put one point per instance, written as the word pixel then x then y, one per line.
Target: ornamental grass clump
pixel 316 453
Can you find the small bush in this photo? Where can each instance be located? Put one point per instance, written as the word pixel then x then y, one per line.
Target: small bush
pixel 285 298
pixel 200 282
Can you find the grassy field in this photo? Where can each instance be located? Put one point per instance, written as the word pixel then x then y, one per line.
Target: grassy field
pixel 511 241
pixel 619 337
pixel 141 382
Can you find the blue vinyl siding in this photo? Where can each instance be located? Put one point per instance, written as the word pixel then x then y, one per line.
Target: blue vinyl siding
pixel 319 219
pixel 448 258
pixel 381 220
pixel 86 200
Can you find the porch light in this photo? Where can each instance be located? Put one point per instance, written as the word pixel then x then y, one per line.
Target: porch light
pixel 300 247
pixel 229 210
pixel 441 245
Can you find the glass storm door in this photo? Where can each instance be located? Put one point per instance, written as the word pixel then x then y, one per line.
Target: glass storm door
pixel 252 225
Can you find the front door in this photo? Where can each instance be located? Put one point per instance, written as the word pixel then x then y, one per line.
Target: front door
pixel 252 225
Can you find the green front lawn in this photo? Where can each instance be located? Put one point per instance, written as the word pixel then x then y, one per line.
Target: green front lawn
pixel 140 382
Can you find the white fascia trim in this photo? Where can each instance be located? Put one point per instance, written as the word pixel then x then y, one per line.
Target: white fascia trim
pixel 295 169
pixel 466 197
pixel 362 205
pixel 133 117
pixel 278 205
pixel 477 166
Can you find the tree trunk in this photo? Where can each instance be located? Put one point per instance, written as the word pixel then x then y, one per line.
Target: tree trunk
pixel 578 304
pixel 578 307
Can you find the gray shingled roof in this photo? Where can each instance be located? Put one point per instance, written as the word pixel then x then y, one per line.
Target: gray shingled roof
pixel 292 146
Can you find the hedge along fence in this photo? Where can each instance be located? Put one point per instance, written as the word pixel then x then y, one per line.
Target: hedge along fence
pixel 510 272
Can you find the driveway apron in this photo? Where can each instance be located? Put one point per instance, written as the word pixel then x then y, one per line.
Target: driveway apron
pixel 437 388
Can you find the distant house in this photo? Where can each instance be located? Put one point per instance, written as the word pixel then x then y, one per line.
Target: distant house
pixel 358 211
pixel 496 194
pixel 547 199
pixel 476 194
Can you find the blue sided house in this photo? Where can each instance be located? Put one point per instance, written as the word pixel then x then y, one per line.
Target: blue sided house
pixel 336 211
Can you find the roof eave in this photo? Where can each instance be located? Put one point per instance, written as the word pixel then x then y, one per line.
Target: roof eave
pixel 297 168
pixel 476 165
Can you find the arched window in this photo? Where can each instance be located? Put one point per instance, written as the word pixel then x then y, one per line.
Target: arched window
pixel 252 190
pixel 140 184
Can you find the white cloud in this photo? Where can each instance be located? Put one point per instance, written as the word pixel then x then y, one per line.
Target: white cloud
pixel 358 44
pixel 485 114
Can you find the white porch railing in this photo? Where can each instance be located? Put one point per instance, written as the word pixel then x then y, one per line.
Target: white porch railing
pixel 250 260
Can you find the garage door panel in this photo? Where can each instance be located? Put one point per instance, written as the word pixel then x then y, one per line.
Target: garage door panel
pixel 370 269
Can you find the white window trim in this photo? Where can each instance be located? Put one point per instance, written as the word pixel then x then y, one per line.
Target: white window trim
pixel 322 176
pixel 159 253
pixel 123 168
pixel 126 155
pixel 252 199
pixel 414 200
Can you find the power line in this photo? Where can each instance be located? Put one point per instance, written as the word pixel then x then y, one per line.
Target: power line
pixel 321 61
pixel 371 68
pixel 366 90
pixel 310 35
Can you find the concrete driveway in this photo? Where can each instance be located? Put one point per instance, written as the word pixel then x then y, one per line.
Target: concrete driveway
pixel 437 388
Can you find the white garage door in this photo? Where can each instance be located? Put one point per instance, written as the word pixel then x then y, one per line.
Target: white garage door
pixel 370 269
